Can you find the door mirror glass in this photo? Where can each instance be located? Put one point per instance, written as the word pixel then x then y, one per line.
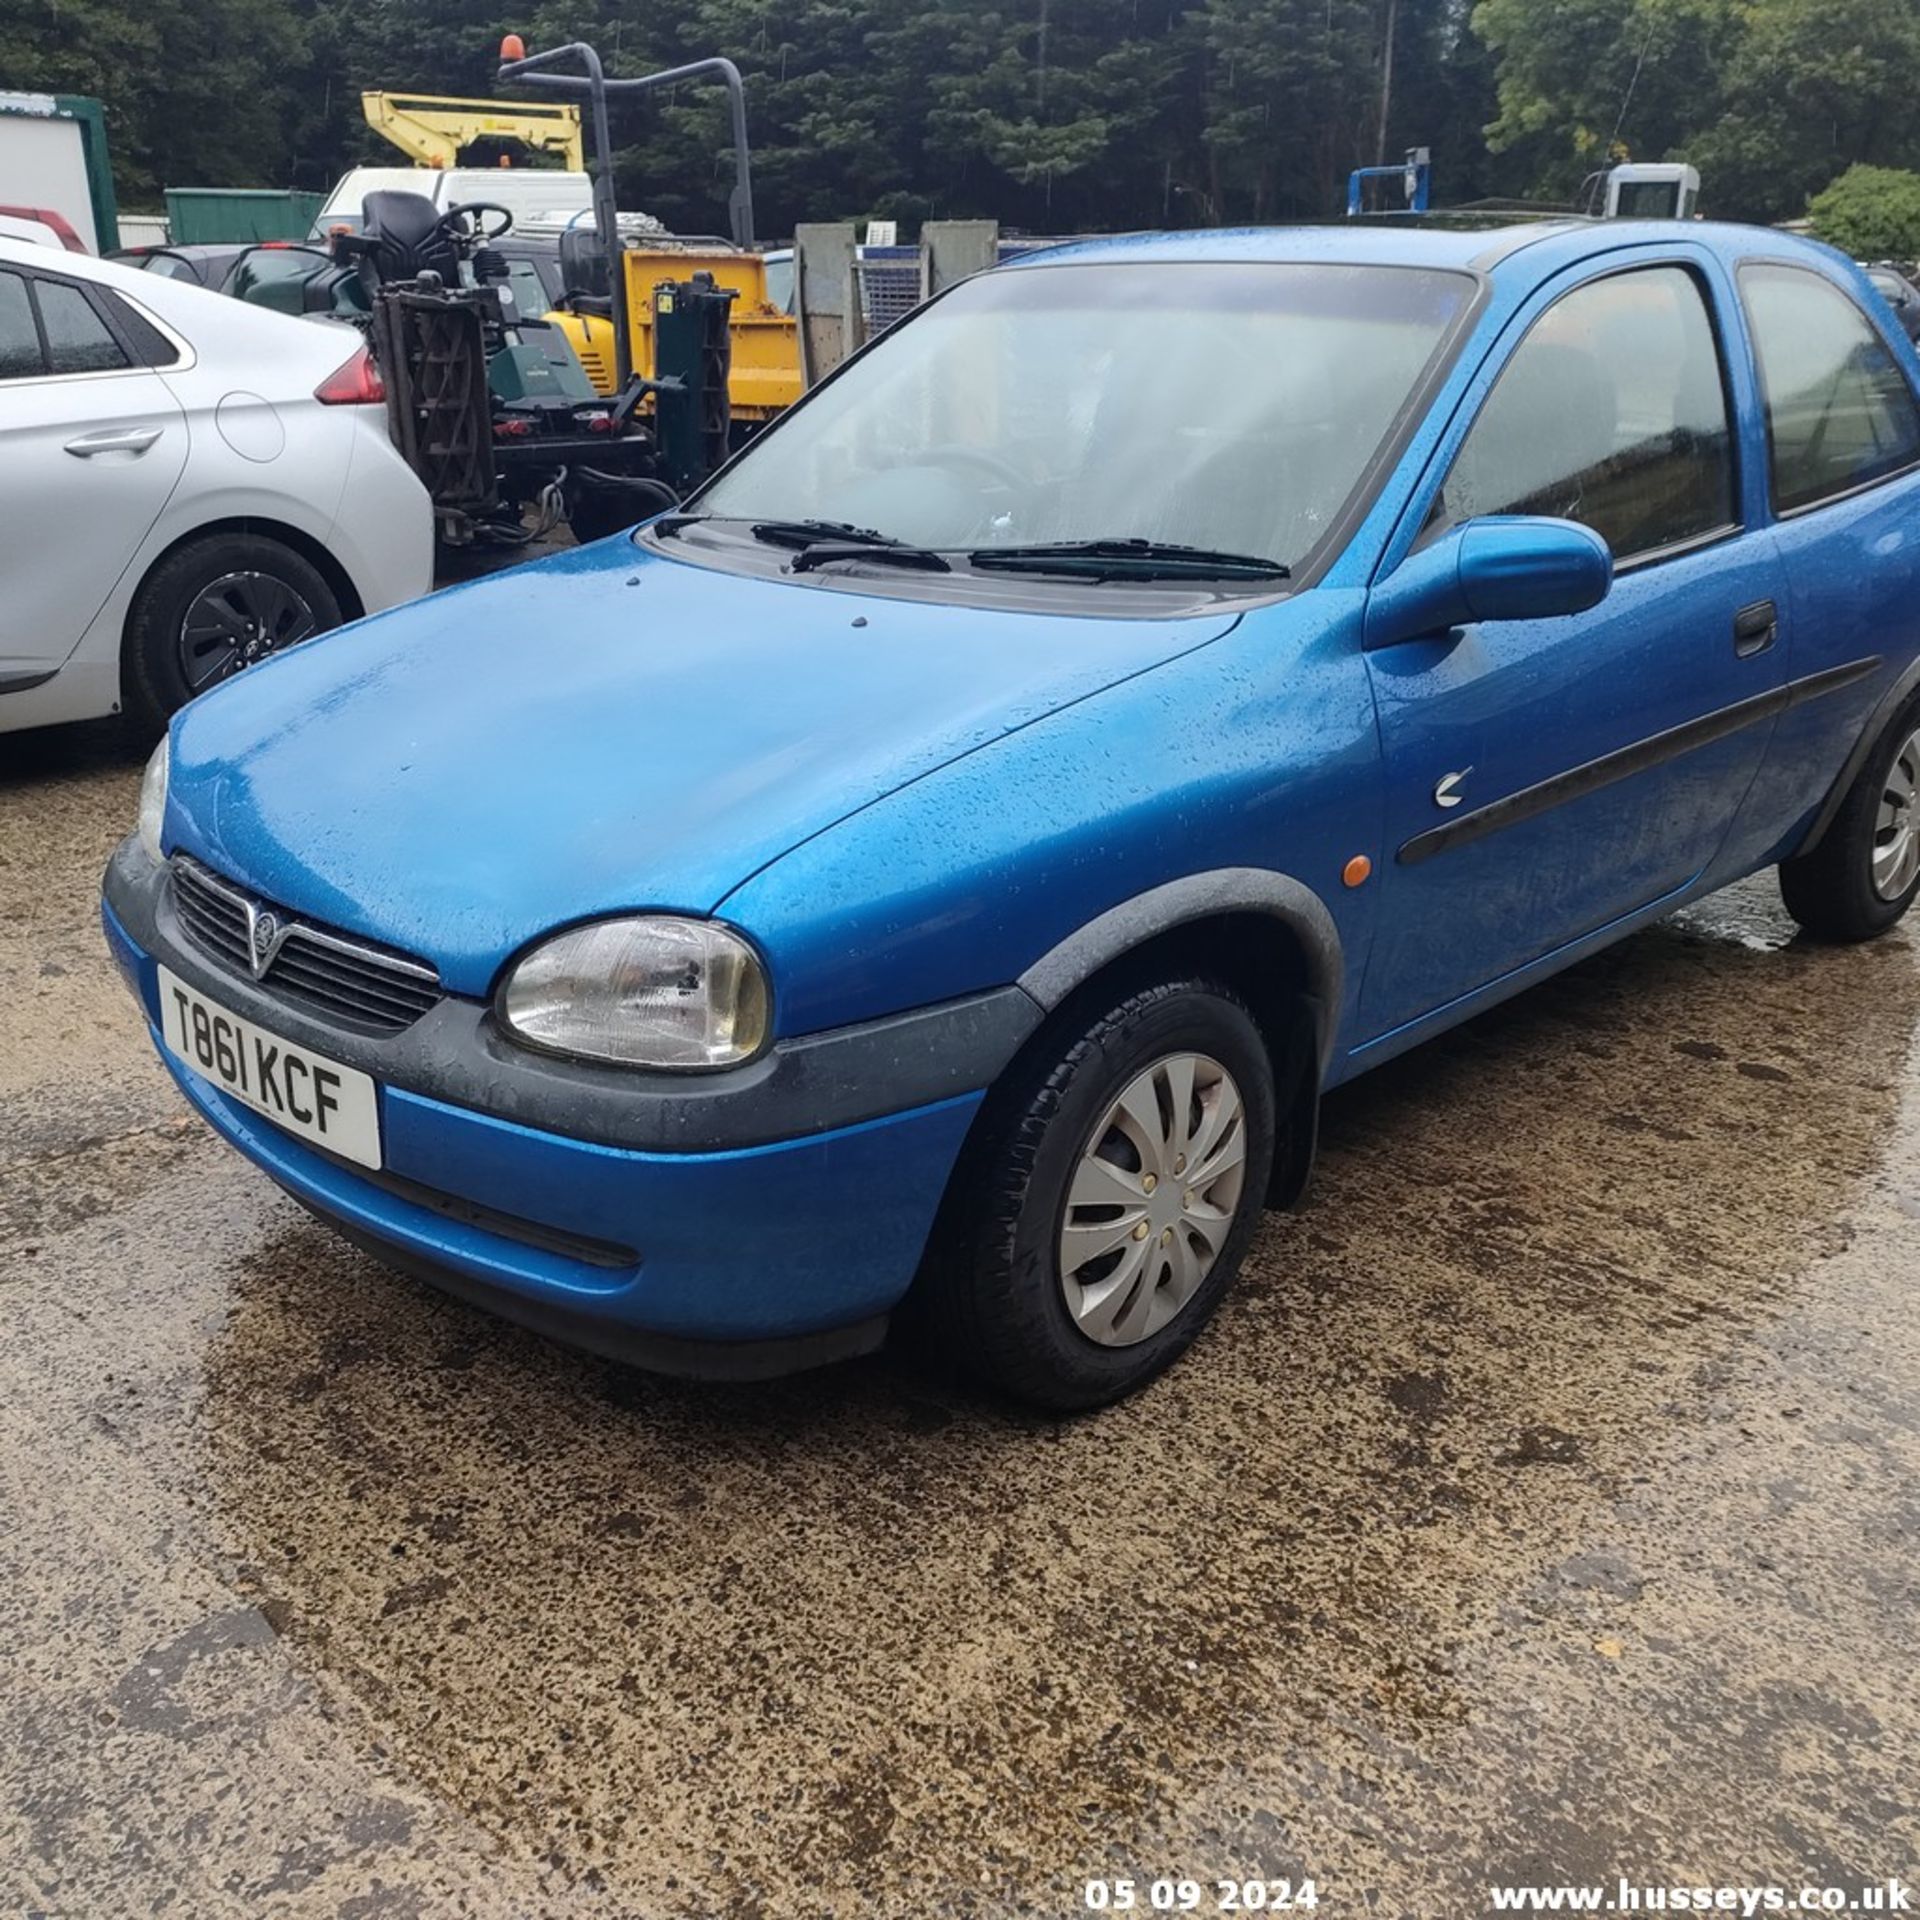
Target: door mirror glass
pixel 1509 567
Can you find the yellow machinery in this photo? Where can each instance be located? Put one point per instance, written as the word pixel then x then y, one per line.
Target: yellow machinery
pixel 433 130
pixel 608 306
pixel 766 346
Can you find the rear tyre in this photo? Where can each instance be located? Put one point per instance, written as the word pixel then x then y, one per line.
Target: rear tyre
pixel 212 607
pixel 1863 875
pixel 1106 1200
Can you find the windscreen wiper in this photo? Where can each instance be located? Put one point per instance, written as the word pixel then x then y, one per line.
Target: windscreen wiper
pixel 890 553
pixel 780 533
pixel 805 533
pixel 818 542
pixel 1129 559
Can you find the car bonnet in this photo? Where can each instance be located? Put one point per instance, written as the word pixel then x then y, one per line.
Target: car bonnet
pixel 605 730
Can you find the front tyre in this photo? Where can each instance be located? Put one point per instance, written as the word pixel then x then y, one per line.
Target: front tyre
pixel 1107 1201
pixel 1863 875
pixel 213 606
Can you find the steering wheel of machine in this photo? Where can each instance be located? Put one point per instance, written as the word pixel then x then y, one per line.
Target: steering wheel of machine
pixel 465 221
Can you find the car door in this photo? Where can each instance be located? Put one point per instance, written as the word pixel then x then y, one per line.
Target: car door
pixel 1843 474
pixel 91 448
pixel 1545 778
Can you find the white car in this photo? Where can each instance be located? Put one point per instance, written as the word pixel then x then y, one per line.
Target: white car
pixel 186 485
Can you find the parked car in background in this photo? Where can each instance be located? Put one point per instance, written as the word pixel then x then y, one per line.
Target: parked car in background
pixel 1901 295
pixel 942 865
pixel 186 486
pixel 40 227
pixel 204 264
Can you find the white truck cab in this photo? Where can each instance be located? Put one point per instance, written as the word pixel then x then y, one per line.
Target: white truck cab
pixel 533 195
pixel 1653 190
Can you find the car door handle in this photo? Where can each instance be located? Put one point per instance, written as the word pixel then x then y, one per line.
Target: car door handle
pixel 1755 628
pixel 114 440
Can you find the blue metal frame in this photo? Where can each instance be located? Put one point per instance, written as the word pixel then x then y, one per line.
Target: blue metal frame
pixel 1415 175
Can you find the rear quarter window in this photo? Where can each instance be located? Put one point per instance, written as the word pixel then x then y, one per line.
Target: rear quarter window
pixel 151 347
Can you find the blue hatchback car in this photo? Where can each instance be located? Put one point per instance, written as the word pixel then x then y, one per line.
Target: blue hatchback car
pixel 938 870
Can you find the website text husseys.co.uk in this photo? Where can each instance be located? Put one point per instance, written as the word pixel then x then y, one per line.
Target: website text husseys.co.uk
pixel 1628 1896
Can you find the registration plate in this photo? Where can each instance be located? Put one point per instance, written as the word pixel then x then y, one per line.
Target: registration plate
pixel 319 1100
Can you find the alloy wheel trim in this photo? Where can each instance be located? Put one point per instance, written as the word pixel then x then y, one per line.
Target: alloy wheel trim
pixel 235 621
pixel 1896 831
pixel 1154 1193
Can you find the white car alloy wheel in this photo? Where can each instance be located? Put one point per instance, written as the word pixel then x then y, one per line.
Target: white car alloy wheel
pixel 1152 1199
pixel 239 619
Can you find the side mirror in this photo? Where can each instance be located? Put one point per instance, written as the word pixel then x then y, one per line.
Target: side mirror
pixel 1502 567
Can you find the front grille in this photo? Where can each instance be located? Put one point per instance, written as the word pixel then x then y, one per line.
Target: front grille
pixel 580 1247
pixel 332 974
pixel 598 368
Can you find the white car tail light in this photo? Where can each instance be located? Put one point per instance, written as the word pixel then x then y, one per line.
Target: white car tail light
pixel 356 384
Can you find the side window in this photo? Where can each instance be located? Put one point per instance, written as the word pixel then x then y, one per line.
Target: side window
pixel 529 290
pixel 1612 411
pixel 77 338
pixel 151 347
pixel 1840 415
pixel 19 337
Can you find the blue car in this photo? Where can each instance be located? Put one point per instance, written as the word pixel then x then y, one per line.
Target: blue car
pixel 933 876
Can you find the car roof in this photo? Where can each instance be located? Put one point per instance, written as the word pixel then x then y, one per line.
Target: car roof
pixel 191 249
pixel 209 321
pixel 1548 243
pixel 76 266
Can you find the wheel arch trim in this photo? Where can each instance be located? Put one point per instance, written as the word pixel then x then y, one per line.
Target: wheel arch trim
pixel 1111 935
pixel 265 526
pixel 1871 734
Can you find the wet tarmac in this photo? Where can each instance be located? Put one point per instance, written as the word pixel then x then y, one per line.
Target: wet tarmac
pixel 1543 1507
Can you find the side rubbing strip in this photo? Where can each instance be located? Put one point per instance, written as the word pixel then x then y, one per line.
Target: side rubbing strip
pixel 1624 762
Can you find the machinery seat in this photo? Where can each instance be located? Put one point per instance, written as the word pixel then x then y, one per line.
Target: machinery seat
pixel 407 237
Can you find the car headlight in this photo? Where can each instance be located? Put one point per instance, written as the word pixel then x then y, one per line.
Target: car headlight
pixel 651 991
pixel 153 801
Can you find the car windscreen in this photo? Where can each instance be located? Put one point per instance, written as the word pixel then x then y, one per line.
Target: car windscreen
pixel 1232 406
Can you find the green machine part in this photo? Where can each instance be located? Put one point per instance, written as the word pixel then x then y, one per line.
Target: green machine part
pixel 543 366
pixel 692 359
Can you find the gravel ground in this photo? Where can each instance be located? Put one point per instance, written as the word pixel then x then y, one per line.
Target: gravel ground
pixel 1543 1506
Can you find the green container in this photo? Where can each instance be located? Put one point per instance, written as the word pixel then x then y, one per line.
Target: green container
pixel 205 214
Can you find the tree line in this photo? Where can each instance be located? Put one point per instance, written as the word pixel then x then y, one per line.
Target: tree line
pixel 1053 115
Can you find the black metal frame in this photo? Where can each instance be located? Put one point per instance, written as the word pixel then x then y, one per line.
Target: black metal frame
pixel 431 355
pixel 594 87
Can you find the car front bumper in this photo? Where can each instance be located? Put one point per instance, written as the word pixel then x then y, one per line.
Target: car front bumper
pixel 660 1227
